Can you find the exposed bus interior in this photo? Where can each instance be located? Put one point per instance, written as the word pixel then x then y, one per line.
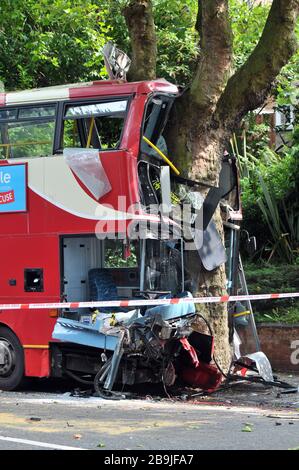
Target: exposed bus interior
pixel 96 270
pixel 136 345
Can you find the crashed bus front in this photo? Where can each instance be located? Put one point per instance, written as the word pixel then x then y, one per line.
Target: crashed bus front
pixel 98 212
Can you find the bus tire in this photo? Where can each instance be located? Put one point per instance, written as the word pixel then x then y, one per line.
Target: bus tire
pixel 12 370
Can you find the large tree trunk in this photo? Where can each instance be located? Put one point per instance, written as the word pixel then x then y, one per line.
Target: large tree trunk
pixel 196 146
pixel 140 21
pixel 204 117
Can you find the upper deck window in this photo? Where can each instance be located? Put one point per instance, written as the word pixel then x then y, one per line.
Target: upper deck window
pixel 27 131
pixel 95 125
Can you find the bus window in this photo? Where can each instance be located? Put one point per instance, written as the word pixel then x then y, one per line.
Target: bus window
pixel 118 255
pixel 155 118
pixel 95 125
pixel 27 132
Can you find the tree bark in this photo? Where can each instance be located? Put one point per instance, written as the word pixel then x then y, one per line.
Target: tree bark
pixel 140 22
pixel 203 145
pixel 215 59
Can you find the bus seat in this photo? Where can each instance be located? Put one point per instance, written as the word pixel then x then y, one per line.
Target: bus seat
pixel 102 287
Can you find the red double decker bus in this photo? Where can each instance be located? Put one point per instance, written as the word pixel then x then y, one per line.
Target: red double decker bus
pixel 50 205
pixel 78 177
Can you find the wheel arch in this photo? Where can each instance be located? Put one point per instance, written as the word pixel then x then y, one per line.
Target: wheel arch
pixel 5 325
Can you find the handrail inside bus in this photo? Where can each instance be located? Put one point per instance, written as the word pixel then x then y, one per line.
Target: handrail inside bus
pixel 172 166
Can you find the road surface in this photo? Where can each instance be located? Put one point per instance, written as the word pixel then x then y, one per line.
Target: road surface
pixel 49 420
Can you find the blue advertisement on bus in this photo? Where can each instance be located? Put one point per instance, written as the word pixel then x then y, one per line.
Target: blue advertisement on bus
pixel 13 184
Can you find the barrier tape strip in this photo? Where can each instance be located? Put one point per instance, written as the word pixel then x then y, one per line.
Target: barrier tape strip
pixel 146 302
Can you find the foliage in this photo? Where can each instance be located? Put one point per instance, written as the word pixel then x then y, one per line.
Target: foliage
pixel 248 20
pixel 263 278
pixel 287 83
pixel 59 41
pixel 257 133
pixel 176 37
pixel 247 24
pixel 270 199
pixel 50 42
pixel 115 256
pixel 288 315
pixel 272 216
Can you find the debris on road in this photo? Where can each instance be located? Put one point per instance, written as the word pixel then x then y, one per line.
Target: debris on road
pixel 247 427
pixel 101 445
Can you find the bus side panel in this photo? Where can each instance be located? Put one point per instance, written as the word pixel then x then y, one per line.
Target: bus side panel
pixel 16 223
pixel 18 253
pixel 32 327
pixel 34 330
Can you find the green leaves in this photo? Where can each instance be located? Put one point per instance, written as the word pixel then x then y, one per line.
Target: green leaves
pixel 269 190
pixel 51 42
pixel 58 41
pixel 247 24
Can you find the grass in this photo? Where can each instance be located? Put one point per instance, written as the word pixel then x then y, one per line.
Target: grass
pixel 279 315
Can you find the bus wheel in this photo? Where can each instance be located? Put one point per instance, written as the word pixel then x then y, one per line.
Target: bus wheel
pixel 11 360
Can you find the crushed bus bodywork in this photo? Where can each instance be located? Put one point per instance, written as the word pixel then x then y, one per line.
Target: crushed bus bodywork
pixel 136 348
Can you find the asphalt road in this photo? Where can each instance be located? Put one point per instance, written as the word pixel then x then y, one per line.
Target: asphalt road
pixel 48 420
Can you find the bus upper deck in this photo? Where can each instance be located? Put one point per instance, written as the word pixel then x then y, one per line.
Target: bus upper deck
pixel 36 126
pixel 41 122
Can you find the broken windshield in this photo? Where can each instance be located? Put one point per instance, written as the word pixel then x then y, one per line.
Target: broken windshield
pixel 163 266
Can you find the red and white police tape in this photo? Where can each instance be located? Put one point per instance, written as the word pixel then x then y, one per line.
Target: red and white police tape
pixel 146 302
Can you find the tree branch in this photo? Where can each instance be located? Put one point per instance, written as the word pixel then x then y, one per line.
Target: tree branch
pixel 140 22
pixel 214 66
pixel 249 86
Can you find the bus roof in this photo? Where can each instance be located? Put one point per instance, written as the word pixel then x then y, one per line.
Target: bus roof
pixel 85 90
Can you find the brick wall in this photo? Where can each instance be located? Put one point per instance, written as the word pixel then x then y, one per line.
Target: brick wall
pixel 279 342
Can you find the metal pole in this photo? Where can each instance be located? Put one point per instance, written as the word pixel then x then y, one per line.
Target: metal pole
pixel 182 263
pixel 249 307
pixel 142 267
